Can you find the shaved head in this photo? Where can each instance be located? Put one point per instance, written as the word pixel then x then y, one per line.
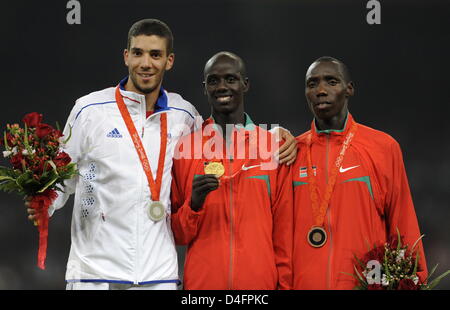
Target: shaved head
pixel 226 55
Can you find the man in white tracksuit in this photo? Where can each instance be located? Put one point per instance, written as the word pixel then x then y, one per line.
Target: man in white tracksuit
pixel 115 242
pixel 123 139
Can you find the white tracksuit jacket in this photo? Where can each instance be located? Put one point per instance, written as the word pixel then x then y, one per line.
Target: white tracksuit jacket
pixel 113 239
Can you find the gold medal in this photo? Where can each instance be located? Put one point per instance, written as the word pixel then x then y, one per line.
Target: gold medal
pixel 215 168
pixel 156 211
pixel 317 236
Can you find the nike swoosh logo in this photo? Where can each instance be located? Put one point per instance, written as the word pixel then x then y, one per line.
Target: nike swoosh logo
pixel 342 170
pixel 250 167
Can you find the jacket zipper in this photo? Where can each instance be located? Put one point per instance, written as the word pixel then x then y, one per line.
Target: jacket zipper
pixel 137 265
pixel 328 217
pixel 230 276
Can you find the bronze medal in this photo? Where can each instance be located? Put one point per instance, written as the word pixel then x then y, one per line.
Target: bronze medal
pixel 215 168
pixel 317 236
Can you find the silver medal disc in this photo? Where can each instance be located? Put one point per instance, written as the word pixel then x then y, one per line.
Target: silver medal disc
pixel 156 211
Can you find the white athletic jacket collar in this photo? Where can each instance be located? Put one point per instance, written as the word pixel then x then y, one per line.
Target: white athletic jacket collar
pixel 161 103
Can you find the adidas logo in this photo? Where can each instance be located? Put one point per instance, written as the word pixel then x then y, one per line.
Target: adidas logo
pixel 114 134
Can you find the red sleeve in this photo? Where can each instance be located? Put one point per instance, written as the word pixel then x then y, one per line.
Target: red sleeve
pixel 184 219
pixel 400 209
pixel 282 212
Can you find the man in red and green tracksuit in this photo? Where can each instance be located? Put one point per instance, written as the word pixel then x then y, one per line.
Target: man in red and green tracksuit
pixel 350 187
pixel 232 209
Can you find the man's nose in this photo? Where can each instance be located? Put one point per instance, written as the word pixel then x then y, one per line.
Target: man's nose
pixel 146 62
pixel 222 85
pixel 321 90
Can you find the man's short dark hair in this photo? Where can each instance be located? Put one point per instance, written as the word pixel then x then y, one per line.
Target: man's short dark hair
pixel 344 70
pixel 151 27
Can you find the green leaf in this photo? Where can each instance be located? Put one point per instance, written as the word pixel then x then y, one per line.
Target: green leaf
pixel 417 241
pixel 361 279
pixel 9 186
pixel 6 142
pixel 3 177
pixel 431 273
pixel 436 281
pixel 70 135
pixel 416 263
pixel 399 243
pixel 49 183
pixel 359 262
pixel 21 180
pixel 386 269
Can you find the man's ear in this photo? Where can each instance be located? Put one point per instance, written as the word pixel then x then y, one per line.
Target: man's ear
pixel 125 57
pixel 350 89
pixel 204 88
pixel 247 84
pixel 170 61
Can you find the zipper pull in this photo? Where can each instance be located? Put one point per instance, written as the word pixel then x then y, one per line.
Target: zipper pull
pixel 103 217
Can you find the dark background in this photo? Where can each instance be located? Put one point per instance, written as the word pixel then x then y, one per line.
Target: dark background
pixel 400 69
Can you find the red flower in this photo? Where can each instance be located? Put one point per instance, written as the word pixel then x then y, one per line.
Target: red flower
pixel 43 130
pixel 16 161
pixel 39 166
pixel 32 119
pixel 374 254
pixel 407 284
pixel 62 159
pixel 375 287
pixel 57 134
pixel 9 139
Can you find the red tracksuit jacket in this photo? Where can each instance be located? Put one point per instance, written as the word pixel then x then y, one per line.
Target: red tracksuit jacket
pixel 242 236
pixel 371 199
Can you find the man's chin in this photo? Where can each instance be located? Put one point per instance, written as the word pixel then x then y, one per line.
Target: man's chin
pixel 147 91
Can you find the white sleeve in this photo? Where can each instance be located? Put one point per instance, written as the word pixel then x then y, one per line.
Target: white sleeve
pixel 76 130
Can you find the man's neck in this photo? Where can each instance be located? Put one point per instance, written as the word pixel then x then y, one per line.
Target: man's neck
pixel 236 117
pixel 335 123
pixel 150 99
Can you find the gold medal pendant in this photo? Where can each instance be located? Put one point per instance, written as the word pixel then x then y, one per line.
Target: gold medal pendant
pixel 214 168
pixel 156 211
pixel 317 237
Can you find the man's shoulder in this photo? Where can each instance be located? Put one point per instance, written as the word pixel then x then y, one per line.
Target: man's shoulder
pixel 88 104
pixel 302 137
pixel 106 95
pixel 375 137
pixel 177 101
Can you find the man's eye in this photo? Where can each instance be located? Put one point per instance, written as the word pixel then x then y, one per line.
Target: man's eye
pixel 311 84
pixel 231 79
pixel 333 82
pixel 137 53
pixel 212 82
pixel 156 55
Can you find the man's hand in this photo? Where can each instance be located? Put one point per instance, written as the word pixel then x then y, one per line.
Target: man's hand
pixel 201 186
pixel 31 213
pixel 288 151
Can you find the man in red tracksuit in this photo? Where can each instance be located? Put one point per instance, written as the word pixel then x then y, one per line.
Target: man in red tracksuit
pixel 233 209
pixel 350 187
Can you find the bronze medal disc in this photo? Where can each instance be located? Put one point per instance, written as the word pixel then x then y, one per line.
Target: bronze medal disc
pixel 317 237
pixel 215 168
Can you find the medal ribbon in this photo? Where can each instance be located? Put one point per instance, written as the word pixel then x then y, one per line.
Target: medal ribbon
pixel 319 211
pixel 155 187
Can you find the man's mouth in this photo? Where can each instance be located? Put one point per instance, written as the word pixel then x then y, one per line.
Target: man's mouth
pixel 322 104
pixel 224 99
pixel 145 76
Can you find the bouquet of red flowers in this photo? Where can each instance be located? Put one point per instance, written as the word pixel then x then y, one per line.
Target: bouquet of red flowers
pixel 39 168
pixel 392 266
